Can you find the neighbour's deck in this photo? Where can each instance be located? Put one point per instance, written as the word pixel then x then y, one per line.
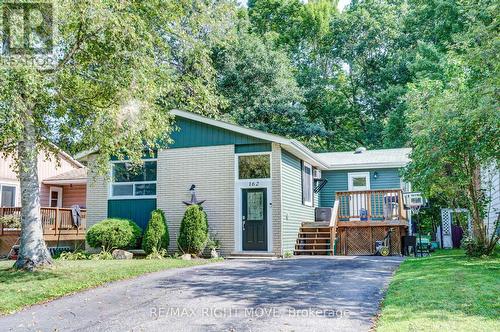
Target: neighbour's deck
pixel 57 224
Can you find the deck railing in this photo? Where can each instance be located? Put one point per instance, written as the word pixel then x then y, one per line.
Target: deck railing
pixel 371 205
pixel 55 221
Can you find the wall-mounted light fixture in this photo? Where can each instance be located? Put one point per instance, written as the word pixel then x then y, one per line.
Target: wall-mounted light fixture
pixel 375 175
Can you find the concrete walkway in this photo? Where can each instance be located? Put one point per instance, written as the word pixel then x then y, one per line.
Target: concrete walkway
pixel 302 294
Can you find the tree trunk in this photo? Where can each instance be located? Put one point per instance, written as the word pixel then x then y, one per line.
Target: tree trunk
pixel 33 252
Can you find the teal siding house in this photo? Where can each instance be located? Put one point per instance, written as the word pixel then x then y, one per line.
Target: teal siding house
pixel 259 188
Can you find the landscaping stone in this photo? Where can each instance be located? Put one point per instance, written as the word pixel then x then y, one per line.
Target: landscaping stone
pixel 186 257
pixel 122 254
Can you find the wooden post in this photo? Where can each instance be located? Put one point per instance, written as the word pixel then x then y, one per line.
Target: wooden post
pixel 56 220
pixel 400 204
pixel 369 205
pixel 1 215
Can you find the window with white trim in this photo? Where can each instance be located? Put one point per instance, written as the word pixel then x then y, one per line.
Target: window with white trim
pixel 7 195
pixel 307 184
pixel 131 181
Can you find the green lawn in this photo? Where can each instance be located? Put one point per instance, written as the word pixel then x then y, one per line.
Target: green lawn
pixel 19 289
pixel 444 292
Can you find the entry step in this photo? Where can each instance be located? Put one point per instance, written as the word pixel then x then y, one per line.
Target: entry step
pixel 251 255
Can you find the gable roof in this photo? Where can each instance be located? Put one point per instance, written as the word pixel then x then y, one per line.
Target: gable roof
pixel 384 158
pixel 74 176
pixel 291 145
pixel 69 158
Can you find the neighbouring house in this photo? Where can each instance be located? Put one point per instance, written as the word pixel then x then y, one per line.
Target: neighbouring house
pixel 261 191
pixel 62 185
pixel 490 183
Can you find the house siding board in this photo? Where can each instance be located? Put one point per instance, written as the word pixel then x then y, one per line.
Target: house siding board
pixel 211 169
pixel 74 195
pixel 137 210
pixel 490 183
pixel 196 134
pixel 294 212
pixel 388 178
pixel 250 148
pixel 48 166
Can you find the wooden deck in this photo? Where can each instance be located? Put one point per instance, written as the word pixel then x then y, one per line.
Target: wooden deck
pixel 359 219
pixel 57 224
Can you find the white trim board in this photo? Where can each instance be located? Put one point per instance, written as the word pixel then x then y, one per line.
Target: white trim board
pixel 59 191
pixel 252 184
pixel 352 175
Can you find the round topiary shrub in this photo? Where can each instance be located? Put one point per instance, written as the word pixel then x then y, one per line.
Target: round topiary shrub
pixel 113 234
pixel 156 236
pixel 193 234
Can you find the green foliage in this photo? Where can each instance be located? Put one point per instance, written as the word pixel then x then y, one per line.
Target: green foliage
pixel 113 234
pixel 258 83
pixel 473 247
pixel 10 221
pixel 156 236
pixel 74 256
pixel 455 120
pixel 213 241
pixel 102 256
pixel 157 254
pixel 193 234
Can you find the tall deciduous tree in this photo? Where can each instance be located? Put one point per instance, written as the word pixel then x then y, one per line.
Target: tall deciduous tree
pixel 455 119
pixel 110 65
pixel 260 89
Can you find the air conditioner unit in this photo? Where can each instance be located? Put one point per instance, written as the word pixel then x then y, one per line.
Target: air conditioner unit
pixel 316 174
pixel 323 214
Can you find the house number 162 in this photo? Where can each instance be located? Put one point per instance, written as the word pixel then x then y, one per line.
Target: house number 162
pixel 253 183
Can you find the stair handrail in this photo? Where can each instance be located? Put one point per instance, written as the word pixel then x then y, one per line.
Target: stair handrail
pixel 335 214
pixel 333 225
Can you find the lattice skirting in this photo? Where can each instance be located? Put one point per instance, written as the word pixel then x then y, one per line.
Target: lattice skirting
pixel 361 240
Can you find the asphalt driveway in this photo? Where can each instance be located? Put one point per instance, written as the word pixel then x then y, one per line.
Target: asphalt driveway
pixel 303 294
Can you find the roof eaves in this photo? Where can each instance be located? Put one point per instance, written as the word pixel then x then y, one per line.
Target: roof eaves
pixel 366 165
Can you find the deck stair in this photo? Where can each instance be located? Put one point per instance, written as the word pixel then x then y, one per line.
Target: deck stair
pixel 317 238
pixel 314 239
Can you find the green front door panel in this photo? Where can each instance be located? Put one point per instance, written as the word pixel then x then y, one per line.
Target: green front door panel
pixel 254 218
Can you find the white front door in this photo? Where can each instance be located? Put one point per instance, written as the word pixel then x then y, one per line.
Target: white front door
pixel 358 181
pixel 55 197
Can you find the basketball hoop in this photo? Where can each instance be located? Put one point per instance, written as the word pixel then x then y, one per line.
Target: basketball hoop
pixel 414 201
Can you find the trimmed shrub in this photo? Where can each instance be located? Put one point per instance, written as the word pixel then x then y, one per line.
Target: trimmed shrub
pixel 114 234
pixel 193 235
pixel 156 236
